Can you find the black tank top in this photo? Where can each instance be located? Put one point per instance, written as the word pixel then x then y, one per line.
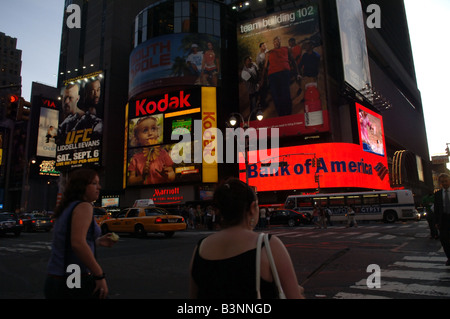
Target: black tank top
pixel 228 278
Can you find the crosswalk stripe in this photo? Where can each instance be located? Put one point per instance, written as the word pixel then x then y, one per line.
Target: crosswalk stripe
pixel 399 287
pixel 419 269
pixel 416 275
pixel 344 295
pixel 324 234
pixel 320 234
pixel 289 233
pixel 28 248
pixel 420 265
pixel 387 237
pixel 18 250
pixel 34 246
pixel 301 234
pixel 425 258
pixel 367 235
pixel 339 235
pixel 348 234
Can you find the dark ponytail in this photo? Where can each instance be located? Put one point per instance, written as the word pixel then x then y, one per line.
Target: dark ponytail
pixel 233 200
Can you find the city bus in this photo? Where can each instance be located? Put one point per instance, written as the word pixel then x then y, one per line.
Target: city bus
pixel 388 206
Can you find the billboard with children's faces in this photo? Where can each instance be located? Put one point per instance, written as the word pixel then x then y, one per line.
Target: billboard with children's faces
pixel 175 59
pixel 156 125
pixel 80 129
pixel 281 71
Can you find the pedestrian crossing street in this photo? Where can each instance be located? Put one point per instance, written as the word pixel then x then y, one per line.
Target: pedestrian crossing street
pixel 413 276
pixel 377 232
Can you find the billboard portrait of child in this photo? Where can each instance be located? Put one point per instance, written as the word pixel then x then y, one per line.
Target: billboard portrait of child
pixel 151 164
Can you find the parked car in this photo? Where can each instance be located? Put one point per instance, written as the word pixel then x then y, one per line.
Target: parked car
pixel 35 222
pixel 143 220
pixel 10 223
pixel 288 217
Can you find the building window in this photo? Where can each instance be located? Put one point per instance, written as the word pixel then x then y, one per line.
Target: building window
pixel 180 16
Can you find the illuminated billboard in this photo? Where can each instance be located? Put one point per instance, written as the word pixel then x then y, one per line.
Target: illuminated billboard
pixel 175 59
pixel 371 130
pixel 80 129
pixel 281 71
pixel 152 122
pixel 355 58
pixel 339 165
pixel 48 127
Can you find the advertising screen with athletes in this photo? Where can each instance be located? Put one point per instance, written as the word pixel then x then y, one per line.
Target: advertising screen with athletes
pixel 80 129
pixel 281 71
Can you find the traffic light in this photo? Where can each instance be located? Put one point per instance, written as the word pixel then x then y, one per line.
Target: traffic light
pixel 24 110
pixel 12 105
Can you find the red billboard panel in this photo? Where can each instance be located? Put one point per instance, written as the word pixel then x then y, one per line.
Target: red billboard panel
pixel 330 165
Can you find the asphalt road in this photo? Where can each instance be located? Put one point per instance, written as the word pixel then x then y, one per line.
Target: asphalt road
pixel 329 263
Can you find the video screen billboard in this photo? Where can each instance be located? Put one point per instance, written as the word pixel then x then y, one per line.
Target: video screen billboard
pixel 175 59
pixel 152 122
pixel 355 58
pixel 371 130
pixel 281 71
pixel 80 129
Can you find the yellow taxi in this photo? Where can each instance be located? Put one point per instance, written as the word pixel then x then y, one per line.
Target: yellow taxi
pixel 143 220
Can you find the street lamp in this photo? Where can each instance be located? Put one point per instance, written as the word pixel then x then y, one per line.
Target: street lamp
pixel 233 121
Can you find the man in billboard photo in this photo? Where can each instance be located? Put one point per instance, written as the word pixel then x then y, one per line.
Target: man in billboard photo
pixel 250 75
pixel 261 57
pixel 194 61
pixel 75 118
pixel 71 111
pixel 71 97
pixel 309 66
pixel 260 61
pixel 297 51
pixel 279 63
pixel 92 94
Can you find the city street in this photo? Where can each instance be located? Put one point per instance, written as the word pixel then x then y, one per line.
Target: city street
pixel 330 263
